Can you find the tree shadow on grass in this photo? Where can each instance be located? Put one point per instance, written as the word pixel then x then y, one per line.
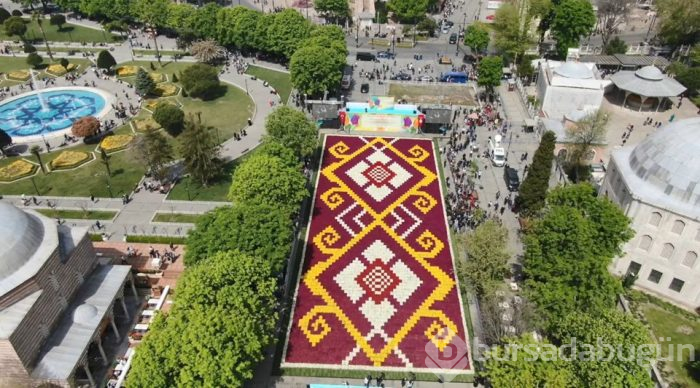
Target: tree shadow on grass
pixel 693 369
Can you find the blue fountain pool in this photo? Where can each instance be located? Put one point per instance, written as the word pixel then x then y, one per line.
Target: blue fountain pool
pixel 28 116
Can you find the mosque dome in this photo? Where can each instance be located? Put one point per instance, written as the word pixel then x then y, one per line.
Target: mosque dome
pixel 21 234
pixel 650 73
pixel 85 314
pixel 574 70
pixel 667 161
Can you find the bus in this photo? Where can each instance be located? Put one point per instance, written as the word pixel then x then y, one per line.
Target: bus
pixel 346 81
pixel 455 77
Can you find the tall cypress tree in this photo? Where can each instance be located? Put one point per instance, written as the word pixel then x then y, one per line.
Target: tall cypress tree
pixel 200 151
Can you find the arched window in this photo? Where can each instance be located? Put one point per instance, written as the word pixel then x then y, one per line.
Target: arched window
pixel 690 259
pixel 678 227
pixel 667 251
pixel 655 218
pixel 645 242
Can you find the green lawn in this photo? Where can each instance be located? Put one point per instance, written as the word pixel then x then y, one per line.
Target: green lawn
pixel 89 179
pixel 667 324
pixel 69 33
pixel 176 217
pixel 216 191
pixel 162 52
pixel 8 64
pixel 278 79
pixel 78 214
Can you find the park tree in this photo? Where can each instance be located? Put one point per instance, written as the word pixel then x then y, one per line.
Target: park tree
pixel 262 39
pixel 511 32
pixel 522 316
pixel 153 13
pixel 409 11
pixel 34 60
pixel 476 37
pixel 85 126
pixel 266 179
pixel 15 26
pixel 272 147
pixel 427 25
pixel 181 16
pixel 207 51
pixel 582 136
pixel 523 362
pixel 568 252
pixel 226 21
pixel 223 320
pixel 615 46
pixel 170 117
pixel 315 70
pixel 573 19
pixel 58 20
pixel 611 15
pixel 533 190
pixel 105 60
pixel 154 151
pixel 4 15
pixel 245 27
pixel 200 151
pixel 262 231
pixel 688 76
pixel 203 20
pixel 38 18
pixel 185 38
pixel 328 36
pixel 486 262
pixel 292 128
pixel 335 10
pixel 144 84
pixel 36 151
pixel 64 62
pixel 5 140
pixel 624 358
pixel 679 21
pixel 201 81
pixel 287 30
pixel 490 72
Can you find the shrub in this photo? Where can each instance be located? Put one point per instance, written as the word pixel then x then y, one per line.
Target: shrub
pixel 144 83
pixel 64 62
pixel 4 15
pixel 17 12
pixel 175 79
pixel 170 117
pixel 34 60
pixel 86 126
pixel 29 48
pixel 155 239
pixel 201 81
pixel 105 60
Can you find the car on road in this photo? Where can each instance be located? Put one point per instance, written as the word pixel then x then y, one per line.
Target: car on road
pixel 385 55
pixel 453 38
pixel 449 23
pixel 401 77
pixel 425 78
pixel 445 61
pixel 510 175
pixel 364 88
pixel 365 56
pixel 445 28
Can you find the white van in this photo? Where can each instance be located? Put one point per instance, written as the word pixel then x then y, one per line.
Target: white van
pixel 497 152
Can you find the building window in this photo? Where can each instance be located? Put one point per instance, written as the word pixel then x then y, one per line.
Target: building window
pixel 667 251
pixel 634 268
pixel 655 276
pixel 655 218
pixel 678 227
pixel 676 285
pixel 645 242
pixel 689 259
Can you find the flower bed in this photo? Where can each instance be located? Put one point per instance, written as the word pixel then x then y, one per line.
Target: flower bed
pixel 166 89
pixel 58 70
pixel 18 75
pixel 152 104
pixel 70 159
pixel 116 142
pixel 127 71
pixel 157 77
pixel 18 169
pixel 146 124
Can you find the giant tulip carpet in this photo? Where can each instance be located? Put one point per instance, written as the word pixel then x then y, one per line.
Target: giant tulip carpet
pixel 377 289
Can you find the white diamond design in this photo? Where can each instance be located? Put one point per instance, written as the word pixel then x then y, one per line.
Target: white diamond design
pixel 356 173
pixel 377 313
pixel 378 193
pixel 401 175
pixel 379 156
pixel 408 283
pixel 346 280
pixel 377 250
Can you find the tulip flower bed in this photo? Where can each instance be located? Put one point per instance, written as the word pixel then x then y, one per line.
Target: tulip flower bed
pixel 70 159
pixel 16 170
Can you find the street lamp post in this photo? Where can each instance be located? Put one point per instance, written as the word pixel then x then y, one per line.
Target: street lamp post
pixel 246 86
pixel 187 189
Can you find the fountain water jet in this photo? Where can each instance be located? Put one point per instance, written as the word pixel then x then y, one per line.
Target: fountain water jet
pixel 44 106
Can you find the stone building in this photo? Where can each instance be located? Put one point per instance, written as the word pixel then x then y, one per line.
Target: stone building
pixel 56 301
pixel 657 185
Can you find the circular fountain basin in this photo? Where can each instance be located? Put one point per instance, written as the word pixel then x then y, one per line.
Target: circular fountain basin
pixel 50 112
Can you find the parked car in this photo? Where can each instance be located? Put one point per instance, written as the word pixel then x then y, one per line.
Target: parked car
pixel 453 38
pixel 445 29
pixel 365 56
pixel 426 78
pixel 385 55
pixel 511 177
pixel 364 88
pixel 445 61
pixel 401 77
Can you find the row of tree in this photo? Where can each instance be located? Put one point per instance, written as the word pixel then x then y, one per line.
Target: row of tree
pixel 568 250
pixel 225 313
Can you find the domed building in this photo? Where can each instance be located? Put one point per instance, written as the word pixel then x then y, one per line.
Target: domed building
pixel 56 301
pixel 564 87
pixel 646 88
pixel 657 184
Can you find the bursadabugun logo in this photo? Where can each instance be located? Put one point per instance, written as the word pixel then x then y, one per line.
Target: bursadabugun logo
pixel 447 352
